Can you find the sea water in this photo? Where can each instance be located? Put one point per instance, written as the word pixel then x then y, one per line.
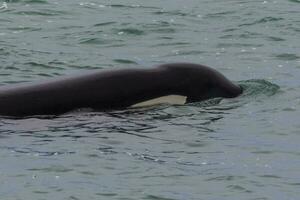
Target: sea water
pixel 222 149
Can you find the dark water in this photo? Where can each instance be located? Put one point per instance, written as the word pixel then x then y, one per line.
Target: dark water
pixel 242 148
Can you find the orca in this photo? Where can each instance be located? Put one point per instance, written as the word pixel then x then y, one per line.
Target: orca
pixel 175 83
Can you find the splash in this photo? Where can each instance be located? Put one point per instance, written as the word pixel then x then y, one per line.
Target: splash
pixel 4 6
pixel 253 90
pixel 258 88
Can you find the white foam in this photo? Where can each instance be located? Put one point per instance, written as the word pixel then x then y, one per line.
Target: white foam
pixel 4 6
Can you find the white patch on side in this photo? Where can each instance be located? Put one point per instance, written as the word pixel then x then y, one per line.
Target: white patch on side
pixel 170 99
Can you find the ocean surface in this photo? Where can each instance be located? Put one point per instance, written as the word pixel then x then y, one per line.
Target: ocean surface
pixel 246 148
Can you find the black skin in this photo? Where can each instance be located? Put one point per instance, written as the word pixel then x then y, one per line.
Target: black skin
pixel 116 89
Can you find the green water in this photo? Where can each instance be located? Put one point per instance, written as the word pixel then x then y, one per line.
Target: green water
pixel 241 148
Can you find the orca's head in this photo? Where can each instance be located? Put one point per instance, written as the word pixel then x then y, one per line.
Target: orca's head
pixel 206 83
pixel 226 89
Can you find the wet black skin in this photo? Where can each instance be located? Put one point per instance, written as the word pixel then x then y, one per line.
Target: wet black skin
pixel 115 89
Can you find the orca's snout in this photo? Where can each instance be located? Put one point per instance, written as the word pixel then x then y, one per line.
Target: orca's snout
pixel 241 89
pixel 235 90
pixel 231 90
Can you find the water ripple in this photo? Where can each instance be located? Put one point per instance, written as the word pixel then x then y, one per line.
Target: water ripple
pixel 171 13
pixel 129 31
pixel 157 197
pixel 93 41
pixel 42 12
pixel 258 88
pixel 104 24
pixel 29 1
pixel 262 21
pixel 124 61
pixel 132 6
pixel 54 168
pixel 287 56
pixel 294 1
pixel 35 152
pixel 244 146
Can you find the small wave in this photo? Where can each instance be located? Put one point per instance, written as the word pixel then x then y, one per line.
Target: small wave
pixel 161 24
pixel 160 27
pixel 41 65
pixel 146 157
pixel 124 61
pixel 129 31
pixel 85 67
pixel 171 44
pixel 44 75
pixel 93 41
pixel 37 1
pixel 238 188
pixel 227 45
pixel 208 103
pixel 192 52
pixel 4 52
pixel 262 21
pixel 3 6
pixel 225 178
pixel 294 1
pixel 157 197
pixel 66 27
pixel 219 14
pixel 171 13
pixel 230 30
pixel 252 89
pixel 287 56
pixel 54 168
pixel 164 30
pixel 275 39
pixel 245 35
pixel 258 87
pixel 131 6
pixel 31 151
pixel 23 28
pixel 104 24
pixel 42 12
pixel 29 1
